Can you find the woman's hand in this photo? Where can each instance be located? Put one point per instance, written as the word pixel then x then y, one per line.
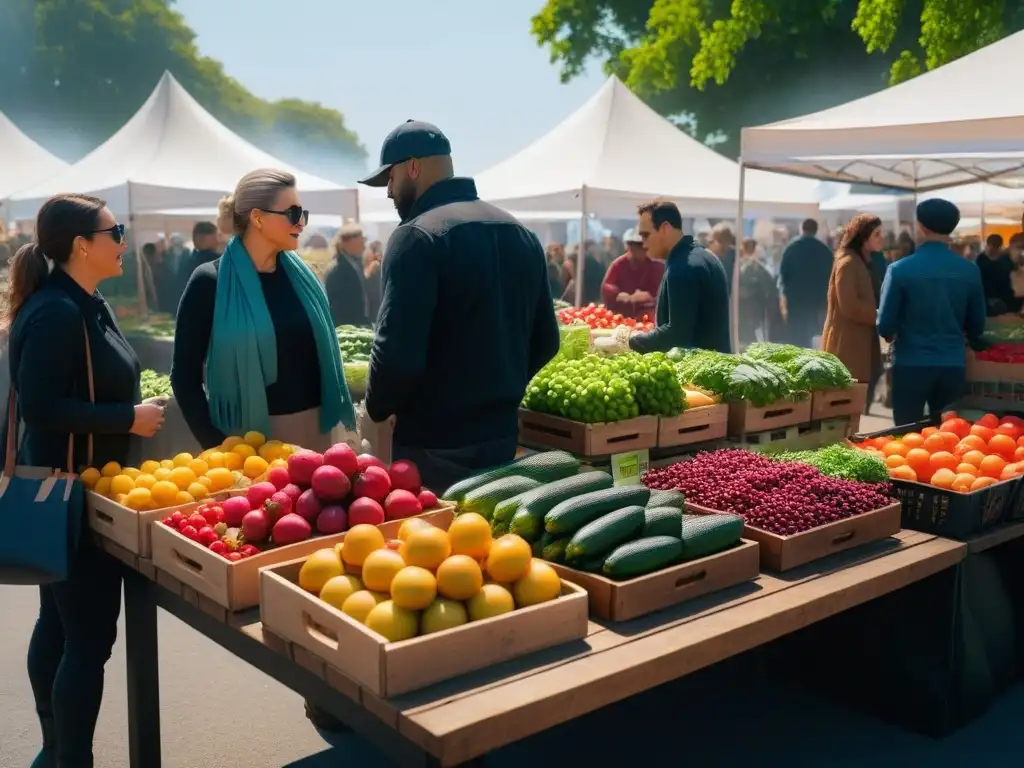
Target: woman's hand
pixel 148 419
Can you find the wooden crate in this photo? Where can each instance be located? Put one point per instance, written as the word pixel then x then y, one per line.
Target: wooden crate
pixel 694 425
pixel 587 439
pixel 988 371
pixel 613 600
pixel 745 418
pixel 802 437
pixel 389 669
pixel 236 585
pixel 833 403
pixel 783 553
pixel 131 529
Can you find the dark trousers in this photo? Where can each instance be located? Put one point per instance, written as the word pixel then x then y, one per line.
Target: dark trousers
pixel 72 641
pixel 914 386
pixel 441 468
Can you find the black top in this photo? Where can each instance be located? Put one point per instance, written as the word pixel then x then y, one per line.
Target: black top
pixel 298 368
pixel 466 321
pixel 346 293
pixel 48 369
pixel 995 277
pixel 804 272
pixel 693 303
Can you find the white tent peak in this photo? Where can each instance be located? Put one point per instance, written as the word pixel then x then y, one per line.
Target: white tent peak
pixel 621 151
pixel 173 153
pixel 23 162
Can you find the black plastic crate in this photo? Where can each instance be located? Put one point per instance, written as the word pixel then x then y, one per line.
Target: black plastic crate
pixel 948 513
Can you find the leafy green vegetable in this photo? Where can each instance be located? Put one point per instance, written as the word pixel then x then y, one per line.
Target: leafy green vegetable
pixel 840 460
pixel 736 377
pixel 155 384
pixel 574 341
pixel 355 343
pixel 811 370
pixel 355 377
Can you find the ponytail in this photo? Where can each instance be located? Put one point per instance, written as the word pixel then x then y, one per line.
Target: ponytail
pixel 28 271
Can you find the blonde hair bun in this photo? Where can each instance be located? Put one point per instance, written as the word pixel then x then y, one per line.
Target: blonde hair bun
pixel 226 215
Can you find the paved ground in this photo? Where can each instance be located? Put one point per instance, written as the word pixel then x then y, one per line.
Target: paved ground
pixel 217 712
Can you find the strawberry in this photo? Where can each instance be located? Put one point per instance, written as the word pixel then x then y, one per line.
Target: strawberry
pixel 176 519
pixel 214 513
pixel 234 556
pixel 197 521
pixel 206 536
pixel 219 548
pixel 190 532
pixel 248 550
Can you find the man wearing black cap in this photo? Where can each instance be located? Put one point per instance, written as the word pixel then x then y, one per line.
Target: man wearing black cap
pixel 930 301
pixel 466 318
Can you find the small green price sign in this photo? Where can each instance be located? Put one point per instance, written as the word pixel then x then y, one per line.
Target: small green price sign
pixel 628 468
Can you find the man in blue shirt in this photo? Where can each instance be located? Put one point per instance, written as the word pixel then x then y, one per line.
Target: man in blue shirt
pixel 930 301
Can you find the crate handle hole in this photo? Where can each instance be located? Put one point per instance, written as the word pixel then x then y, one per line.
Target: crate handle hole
pixel 777 412
pixel 318 633
pixel 545 429
pixel 692 430
pixel 840 401
pixel 623 438
pixel 693 578
pixel 103 517
pixel 843 537
pixel 188 562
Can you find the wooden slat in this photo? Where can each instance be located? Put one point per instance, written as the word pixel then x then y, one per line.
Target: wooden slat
pixel 995 537
pixel 476 724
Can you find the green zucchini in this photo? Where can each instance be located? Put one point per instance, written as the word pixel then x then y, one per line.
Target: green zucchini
pixel 484 499
pixel 572 514
pixel 543 467
pixel 704 535
pixel 667 499
pixel 601 536
pixel 643 556
pixel 553 547
pixel 536 549
pixel 505 508
pixel 663 521
pixel 590 564
pixel 498 528
pixel 529 517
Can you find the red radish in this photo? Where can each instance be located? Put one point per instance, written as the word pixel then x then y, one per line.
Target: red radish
pixel 330 483
pixel 256 525
pixel 293 492
pixel 219 548
pixel 206 536
pixel 302 465
pixel 405 475
pixel 279 477
pixel 332 520
pixel 277 506
pixel 190 532
pixel 248 550
pixel 234 556
pixel 176 518
pixel 365 511
pixel 428 500
pixel 235 508
pixel 260 492
pixel 291 529
pixel 373 483
pixel 343 457
pixel 308 506
pixel 197 521
pixel 400 503
pixel 366 460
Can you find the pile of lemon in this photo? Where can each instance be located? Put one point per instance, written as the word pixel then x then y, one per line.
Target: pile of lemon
pixel 235 463
pixel 428 580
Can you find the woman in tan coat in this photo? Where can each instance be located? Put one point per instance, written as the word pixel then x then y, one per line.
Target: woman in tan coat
pixel 850 332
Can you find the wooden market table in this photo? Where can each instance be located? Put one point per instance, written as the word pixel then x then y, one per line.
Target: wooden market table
pixel 460 720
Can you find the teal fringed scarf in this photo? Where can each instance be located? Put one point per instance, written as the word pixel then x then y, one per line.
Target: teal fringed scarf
pixel 242 360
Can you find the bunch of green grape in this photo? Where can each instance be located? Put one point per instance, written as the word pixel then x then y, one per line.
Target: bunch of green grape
pixel 588 389
pixel 153 384
pixel 653 376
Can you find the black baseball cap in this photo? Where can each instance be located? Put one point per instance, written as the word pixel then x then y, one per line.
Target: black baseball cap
pixel 413 138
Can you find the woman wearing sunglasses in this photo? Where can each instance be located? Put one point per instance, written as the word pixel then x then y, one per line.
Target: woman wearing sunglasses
pixel 258 321
pixel 49 311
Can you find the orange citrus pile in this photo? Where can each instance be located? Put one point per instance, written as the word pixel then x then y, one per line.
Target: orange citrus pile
pixel 957 455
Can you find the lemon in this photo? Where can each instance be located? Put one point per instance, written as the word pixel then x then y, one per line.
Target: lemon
pixel 233 461
pixel 167 464
pixel 319 568
pixel 426 547
pixel 139 499
pixel 145 481
pixel 509 558
pixel 121 484
pixel 132 472
pixel 380 567
pixel 120 498
pixel 244 450
pixel 359 604
pixel 459 577
pixel 413 588
pixel 197 490
pixel 230 442
pixel 198 466
pixel 410 525
pixel 215 459
pixel 205 455
pixel 182 459
pixel 254 466
pixel 254 439
pixel 111 469
pixel 149 466
pixel 163 473
pixel 221 478
pixel 392 622
pixel 102 486
pixel 539 585
pixel 206 482
pixel 492 600
pixel 279 463
pixel 182 477
pixel 164 492
pixel 184 497
pixel 360 541
pixel 338 589
pixel 272 449
pixel 470 534
pixel 442 615
pixel 90 476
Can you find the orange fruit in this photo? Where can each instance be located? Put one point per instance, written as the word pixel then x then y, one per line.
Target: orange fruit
pixel 1020 441
pixel 989 420
pixel 962 482
pixel 982 482
pixel 912 440
pixel 992 466
pixel 1009 472
pixel 943 478
pixel 459 577
pixel 985 433
pixel 894 448
pixel 943 460
pixel 426 547
pixel 971 443
pixel 1008 429
pixel 928 432
pixel 947 415
pixel 963 468
pixel 974 457
pixel 1018 453
pixel 951 439
pixel 934 442
pixel 895 461
pixel 919 460
pixel 958 427
pixel 903 473
pixel 1002 444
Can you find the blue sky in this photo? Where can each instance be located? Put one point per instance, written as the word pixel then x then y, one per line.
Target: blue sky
pixel 472 68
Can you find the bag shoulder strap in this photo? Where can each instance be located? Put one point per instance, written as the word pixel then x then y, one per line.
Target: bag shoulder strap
pixel 10 454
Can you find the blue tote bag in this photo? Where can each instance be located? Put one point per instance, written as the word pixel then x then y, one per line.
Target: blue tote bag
pixel 45 505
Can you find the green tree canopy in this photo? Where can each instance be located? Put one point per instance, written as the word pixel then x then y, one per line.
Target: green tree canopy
pixel 723 64
pixel 75 70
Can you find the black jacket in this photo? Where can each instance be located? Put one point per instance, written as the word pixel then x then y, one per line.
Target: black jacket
pixel 465 322
pixel 346 293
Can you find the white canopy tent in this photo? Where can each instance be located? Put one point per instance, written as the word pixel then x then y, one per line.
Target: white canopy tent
pixel 982 200
pixel 22 162
pixel 174 154
pixel 954 125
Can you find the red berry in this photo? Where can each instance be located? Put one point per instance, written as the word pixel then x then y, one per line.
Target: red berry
pixel 190 532
pixel 234 556
pixel 219 547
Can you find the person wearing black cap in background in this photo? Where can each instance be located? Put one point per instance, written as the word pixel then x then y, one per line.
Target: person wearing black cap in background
pixel 466 317
pixel 930 301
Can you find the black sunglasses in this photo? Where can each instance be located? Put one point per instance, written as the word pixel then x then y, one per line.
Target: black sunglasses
pixel 116 233
pixel 295 214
